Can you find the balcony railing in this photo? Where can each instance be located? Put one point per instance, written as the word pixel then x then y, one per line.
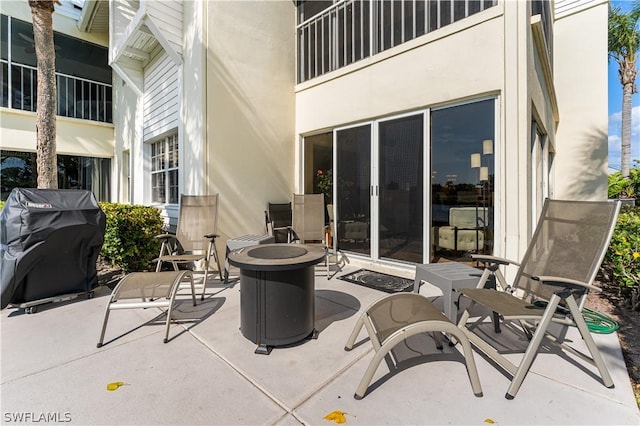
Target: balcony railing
pixel 351 30
pixel 77 97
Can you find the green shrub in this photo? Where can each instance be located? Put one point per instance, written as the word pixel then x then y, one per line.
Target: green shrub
pixel 622 260
pixel 129 239
pixel 624 188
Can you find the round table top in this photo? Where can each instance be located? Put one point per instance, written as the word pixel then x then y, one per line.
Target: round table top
pixel 276 257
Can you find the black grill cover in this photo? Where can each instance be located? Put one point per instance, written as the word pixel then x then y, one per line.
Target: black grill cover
pixel 50 240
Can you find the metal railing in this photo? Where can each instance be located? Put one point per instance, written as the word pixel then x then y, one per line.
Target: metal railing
pixel 77 97
pixel 351 30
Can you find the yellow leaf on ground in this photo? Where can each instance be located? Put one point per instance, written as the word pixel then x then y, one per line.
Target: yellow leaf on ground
pixel 114 385
pixel 337 416
pixel 490 421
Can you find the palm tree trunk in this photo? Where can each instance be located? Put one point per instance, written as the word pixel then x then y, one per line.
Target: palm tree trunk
pixel 627 75
pixel 625 142
pixel 41 12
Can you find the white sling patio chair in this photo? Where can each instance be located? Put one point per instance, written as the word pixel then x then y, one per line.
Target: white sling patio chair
pixel 308 222
pixel 557 270
pixel 141 290
pixel 195 238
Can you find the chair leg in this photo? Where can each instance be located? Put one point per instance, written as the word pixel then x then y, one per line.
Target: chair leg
pixel 213 250
pixel 354 334
pixel 204 280
pixel 438 339
pixel 371 369
pixel 472 370
pixel 193 288
pixel 588 340
pixel 104 323
pixel 532 349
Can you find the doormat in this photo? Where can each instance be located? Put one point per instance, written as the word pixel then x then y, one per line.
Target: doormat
pixel 379 281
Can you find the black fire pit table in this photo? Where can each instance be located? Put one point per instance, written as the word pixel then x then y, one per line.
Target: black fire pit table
pixel 277 301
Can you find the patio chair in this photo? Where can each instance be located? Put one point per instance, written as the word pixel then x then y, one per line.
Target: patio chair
pixel 396 317
pixel 465 231
pixel 278 221
pixel 550 286
pixel 308 222
pixel 141 290
pixel 195 236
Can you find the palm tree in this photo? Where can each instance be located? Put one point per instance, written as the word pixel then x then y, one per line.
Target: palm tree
pixel 624 43
pixel 41 13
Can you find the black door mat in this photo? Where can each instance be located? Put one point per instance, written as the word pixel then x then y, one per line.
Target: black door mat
pixel 379 281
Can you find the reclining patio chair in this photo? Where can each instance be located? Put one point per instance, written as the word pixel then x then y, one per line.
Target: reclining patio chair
pixel 195 238
pixel 550 286
pixel 308 222
pixel 399 316
pixel 141 290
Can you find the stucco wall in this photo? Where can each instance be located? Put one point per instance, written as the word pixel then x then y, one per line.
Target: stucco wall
pixel 250 109
pixel 194 140
pixel 73 137
pixel 128 134
pixel 581 84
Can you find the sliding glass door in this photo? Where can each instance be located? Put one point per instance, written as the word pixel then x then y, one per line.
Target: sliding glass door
pixel 352 184
pixel 462 179
pixel 400 188
pixel 406 191
pixel 379 189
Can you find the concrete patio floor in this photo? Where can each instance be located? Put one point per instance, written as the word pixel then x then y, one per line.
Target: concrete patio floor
pixel 208 372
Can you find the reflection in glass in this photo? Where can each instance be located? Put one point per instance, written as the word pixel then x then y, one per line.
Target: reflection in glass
pixel 462 179
pixel 318 165
pixel 354 184
pixel 18 170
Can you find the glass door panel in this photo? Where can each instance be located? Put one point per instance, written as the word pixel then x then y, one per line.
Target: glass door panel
pixel 353 189
pixel 462 179
pixel 400 185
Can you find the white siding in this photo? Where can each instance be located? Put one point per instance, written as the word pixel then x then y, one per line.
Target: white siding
pixel 161 111
pixel 564 7
pixel 122 13
pixel 167 16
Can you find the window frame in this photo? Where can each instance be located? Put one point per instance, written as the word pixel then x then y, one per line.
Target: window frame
pixel 166 164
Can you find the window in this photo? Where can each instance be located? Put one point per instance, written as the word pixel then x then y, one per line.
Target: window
pixel 18 170
pixel 83 74
pixel 164 170
pixel 332 34
pixel 541 162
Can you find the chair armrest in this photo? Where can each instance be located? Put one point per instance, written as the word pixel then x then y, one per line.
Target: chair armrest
pixel 211 236
pixel 494 259
pixel 165 236
pixel 564 282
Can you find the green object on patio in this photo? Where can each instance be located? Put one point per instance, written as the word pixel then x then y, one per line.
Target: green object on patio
pixel 597 322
